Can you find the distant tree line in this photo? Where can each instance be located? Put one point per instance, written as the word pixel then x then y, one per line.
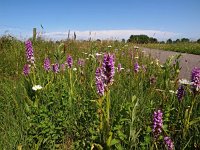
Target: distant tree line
pixel 138 39
pixel 144 39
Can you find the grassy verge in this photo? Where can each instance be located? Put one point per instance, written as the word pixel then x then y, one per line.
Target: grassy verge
pixel 191 48
pixel 69 113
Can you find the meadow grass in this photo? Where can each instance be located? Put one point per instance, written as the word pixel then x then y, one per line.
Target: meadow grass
pixel 68 113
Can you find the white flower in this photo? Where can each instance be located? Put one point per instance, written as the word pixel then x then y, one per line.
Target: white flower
pixel 74 69
pixel 87 58
pixel 184 81
pixel 173 92
pixel 84 53
pixel 135 47
pixel 90 55
pixel 157 62
pixel 32 58
pixel 97 54
pixel 37 87
pixel 126 45
pixel 109 46
pixel 120 68
pixel 136 57
pixel 198 88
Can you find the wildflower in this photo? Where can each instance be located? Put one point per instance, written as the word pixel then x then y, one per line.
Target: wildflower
pixel 69 61
pixel 74 69
pixel 161 66
pixel 29 52
pixel 180 92
pixel 99 81
pixel 37 87
pixel 173 92
pixel 108 68
pixel 195 78
pixel 98 54
pixel 91 55
pixel 128 70
pixel 136 67
pixel 55 68
pixel 47 64
pixel 169 143
pixel 109 46
pixel 84 53
pixel 63 67
pixel 157 62
pixel 119 67
pixel 81 62
pixel 152 79
pixel 144 68
pixel 26 69
pixel 157 123
pixel 136 57
pixel 136 47
pixel 177 70
pixel 184 82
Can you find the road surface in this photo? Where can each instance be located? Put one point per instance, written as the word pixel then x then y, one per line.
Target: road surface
pixel 187 61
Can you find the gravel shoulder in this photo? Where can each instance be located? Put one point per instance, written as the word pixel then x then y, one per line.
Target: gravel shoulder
pixel 187 61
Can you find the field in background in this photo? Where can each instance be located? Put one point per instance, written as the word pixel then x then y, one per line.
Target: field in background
pixel 139 110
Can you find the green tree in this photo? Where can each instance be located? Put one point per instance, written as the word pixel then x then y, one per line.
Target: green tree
pixel 169 41
pixel 123 41
pixel 139 39
pixel 153 40
pixel 177 41
pixel 185 40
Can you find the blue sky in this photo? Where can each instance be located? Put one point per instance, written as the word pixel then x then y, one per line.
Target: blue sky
pixel 105 18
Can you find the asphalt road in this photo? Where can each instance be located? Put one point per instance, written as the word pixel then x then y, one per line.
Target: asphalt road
pixel 187 61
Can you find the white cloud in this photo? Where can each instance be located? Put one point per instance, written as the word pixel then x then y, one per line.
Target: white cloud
pixel 17 32
pixel 94 34
pixel 110 34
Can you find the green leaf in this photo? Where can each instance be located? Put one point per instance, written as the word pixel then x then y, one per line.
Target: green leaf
pixel 133 98
pixel 165 126
pixel 121 135
pixel 98 146
pixel 149 129
pixel 194 121
pixel 114 141
pixel 119 147
pixel 147 139
pixel 109 139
